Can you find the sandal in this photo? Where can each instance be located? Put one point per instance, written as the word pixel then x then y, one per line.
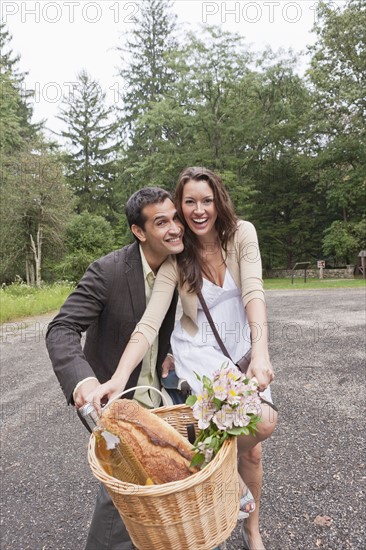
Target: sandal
pixel 244 538
pixel 246 500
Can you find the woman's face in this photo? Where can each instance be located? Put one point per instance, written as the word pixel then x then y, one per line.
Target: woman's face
pixel 199 210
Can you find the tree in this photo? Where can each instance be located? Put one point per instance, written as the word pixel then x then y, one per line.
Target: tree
pixel 188 125
pixel 148 73
pixel 276 155
pixel 340 242
pixel 338 76
pixel 11 132
pixel 35 204
pixel 15 95
pixel 91 136
pixel 88 236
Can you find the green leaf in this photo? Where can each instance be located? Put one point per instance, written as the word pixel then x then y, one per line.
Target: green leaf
pixel 191 400
pixel 217 403
pixel 197 460
pixel 236 431
pixel 207 382
pixel 197 376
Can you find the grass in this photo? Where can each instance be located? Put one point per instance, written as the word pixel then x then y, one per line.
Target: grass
pixel 312 284
pixel 19 300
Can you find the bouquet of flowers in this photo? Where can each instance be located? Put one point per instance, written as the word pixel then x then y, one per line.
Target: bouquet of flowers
pixel 228 406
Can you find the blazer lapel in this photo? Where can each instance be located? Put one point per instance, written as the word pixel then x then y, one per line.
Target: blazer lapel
pixel 135 280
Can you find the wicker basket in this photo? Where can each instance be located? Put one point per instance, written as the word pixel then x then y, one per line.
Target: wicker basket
pixel 197 513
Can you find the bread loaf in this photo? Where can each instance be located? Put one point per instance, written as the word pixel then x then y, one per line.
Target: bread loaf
pixel 162 451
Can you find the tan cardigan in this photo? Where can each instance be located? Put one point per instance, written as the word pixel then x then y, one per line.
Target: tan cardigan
pixel 244 263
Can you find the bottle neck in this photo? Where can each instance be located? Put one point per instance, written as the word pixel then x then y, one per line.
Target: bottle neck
pixel 90 415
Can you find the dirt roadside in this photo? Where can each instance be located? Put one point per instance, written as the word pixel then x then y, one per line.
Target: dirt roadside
pixel 314 464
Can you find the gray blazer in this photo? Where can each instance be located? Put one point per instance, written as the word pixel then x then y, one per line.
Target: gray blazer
pixel 107 303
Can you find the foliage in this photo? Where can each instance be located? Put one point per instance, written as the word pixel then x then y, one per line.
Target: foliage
pixel 11 135
pixel 15 97
pixel 34 208
pixel 88 236
pixel 291 149
pixel 278 159
pixel 338 76
pixel 343 240
pixel 148 74
pixel 91 160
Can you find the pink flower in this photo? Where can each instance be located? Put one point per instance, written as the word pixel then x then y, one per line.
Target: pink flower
pixel 228 400
pixel 203 410
pixel 252 404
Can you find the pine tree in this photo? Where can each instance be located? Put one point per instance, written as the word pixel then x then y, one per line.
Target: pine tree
pixel 148 75
pixel 91 136
pixel 15 98
pixel 148 72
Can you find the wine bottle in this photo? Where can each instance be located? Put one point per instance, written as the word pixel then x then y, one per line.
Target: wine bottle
pixel 114 454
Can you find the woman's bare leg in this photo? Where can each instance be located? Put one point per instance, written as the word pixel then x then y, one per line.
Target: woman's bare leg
pixel 250 469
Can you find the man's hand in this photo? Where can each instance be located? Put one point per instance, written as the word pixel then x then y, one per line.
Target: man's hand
pixel 80 397
pixel 103 393
pixel 261 368
pixel 167 366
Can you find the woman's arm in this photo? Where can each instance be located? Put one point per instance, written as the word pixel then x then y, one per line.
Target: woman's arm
pixel 143 336
pixel 260 365
pixel 253 299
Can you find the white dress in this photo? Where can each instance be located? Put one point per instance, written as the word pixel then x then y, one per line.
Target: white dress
pixel 201 353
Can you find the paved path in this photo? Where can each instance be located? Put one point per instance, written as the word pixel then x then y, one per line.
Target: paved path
pixel 314 463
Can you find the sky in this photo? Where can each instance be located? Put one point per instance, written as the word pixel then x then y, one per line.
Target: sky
pixel 56 39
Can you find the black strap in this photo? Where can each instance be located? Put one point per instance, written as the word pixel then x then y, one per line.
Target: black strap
pixel 212 325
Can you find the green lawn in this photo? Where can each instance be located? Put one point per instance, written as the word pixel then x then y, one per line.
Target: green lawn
pixel 285 284
pixel 20 300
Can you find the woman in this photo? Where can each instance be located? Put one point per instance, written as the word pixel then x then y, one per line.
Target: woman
pixel 221 258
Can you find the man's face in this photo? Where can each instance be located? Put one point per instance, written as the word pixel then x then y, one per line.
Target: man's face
pixel 162 234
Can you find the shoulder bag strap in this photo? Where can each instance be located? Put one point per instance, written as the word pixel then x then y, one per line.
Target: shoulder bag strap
pixel 212 325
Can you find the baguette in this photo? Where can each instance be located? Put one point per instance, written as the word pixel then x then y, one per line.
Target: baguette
pixel 162 451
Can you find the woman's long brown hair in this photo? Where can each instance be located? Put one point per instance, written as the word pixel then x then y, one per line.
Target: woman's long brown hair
pixel 190 261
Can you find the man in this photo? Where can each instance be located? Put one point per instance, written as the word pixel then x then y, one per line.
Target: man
pixel 108 302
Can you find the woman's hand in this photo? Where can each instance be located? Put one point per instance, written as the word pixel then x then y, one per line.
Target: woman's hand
pixel 261 368
pixel 104 393
pixel 260 365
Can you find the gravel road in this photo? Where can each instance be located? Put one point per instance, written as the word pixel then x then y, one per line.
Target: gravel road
pixel 314 463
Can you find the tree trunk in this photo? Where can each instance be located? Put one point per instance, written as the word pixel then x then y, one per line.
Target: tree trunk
pixel 31 274
pixel 37 253
pixel 27 270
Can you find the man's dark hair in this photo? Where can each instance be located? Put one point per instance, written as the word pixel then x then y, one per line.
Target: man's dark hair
pixel 137 202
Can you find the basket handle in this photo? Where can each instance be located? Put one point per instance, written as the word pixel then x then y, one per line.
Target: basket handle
pixel 137 388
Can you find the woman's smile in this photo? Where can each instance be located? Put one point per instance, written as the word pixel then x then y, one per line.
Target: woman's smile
pixel 199 208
